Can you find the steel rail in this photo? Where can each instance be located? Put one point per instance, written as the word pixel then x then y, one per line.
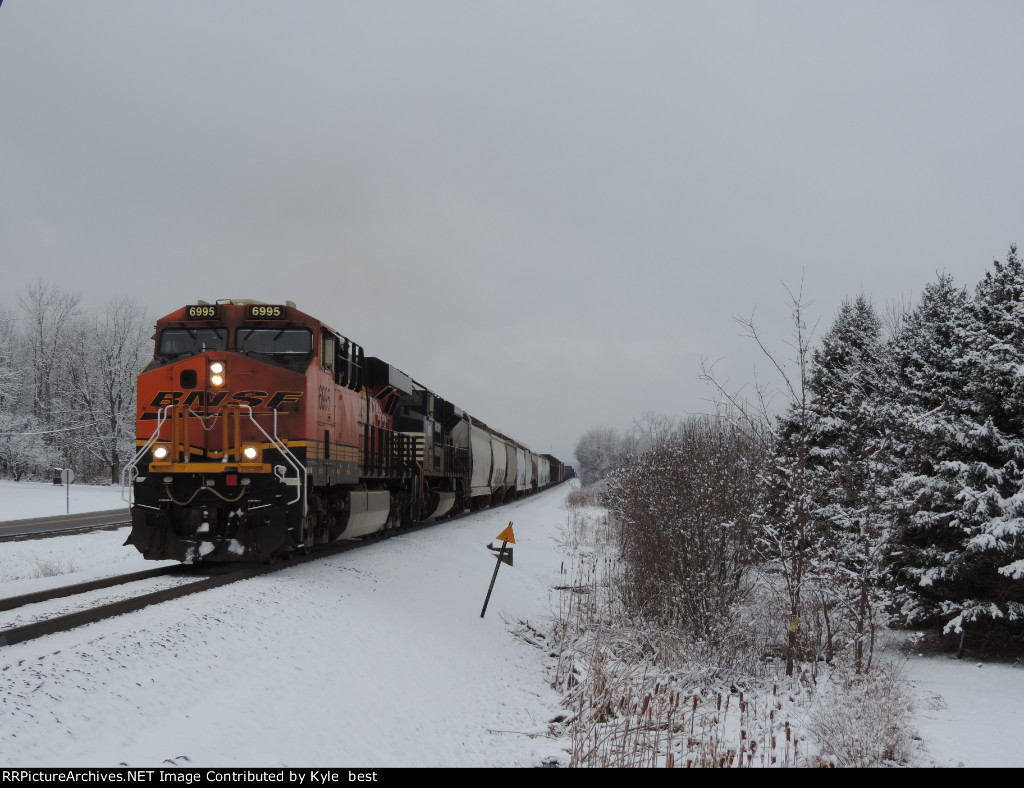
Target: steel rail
pixel 13 602
pixel 49 626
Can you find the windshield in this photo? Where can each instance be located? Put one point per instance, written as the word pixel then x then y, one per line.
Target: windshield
pixel 191 340
pixel 275 340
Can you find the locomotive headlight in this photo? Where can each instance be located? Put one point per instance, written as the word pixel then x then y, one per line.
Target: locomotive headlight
pixel 160 453
pixel 250 452
pixel 217 373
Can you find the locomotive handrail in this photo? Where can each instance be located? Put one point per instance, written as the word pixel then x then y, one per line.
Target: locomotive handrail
pixel 291 459
pixel 127 480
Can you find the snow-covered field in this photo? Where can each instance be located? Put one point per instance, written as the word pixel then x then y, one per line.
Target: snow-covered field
pixel 19 500
pixel 377 657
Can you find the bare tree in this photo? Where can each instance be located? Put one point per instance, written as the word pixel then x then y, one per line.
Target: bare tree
pixel 684 511
pixel 24 449
pixel 599 452
pixel 10 371
pixel 111 350
pixel 787 537
pixel 49 313
pixel 653 429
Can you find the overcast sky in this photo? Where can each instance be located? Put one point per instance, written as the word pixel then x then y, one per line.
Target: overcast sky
pixel 548 211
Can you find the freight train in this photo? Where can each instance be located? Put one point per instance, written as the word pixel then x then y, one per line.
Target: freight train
pixel 262 431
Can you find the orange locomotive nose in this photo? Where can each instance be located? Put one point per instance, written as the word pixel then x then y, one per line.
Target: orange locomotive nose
pixel 221 415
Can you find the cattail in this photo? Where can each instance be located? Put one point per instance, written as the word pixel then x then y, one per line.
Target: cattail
pixel 787 731
pixel 718 706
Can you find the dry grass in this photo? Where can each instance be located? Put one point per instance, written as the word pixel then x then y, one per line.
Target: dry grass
pixel 583 497
pixel 53 568
pixel 637 695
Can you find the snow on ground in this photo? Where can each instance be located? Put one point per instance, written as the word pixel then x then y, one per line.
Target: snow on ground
pixel 969 713
pixel 374 657
pixel 377 657
pixel 19 500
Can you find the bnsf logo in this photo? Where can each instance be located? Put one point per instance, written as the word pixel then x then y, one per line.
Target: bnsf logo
pixel 213 399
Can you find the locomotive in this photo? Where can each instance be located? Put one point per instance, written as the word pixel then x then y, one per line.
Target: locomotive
pixel 262 431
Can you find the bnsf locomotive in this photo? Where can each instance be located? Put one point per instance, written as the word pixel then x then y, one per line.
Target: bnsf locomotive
pixel 262 431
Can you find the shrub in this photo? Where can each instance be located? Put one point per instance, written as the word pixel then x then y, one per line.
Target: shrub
pixel 864 720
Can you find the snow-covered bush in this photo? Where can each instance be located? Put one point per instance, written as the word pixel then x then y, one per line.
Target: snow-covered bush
pixel 683 511
pixel 864 720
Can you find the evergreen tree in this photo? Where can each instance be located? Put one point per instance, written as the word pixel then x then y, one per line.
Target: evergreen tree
pixel 846 455
pixel 992 512
pixel 928 410
pixel 956 402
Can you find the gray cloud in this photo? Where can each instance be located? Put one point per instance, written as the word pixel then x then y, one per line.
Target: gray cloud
pixel 548 212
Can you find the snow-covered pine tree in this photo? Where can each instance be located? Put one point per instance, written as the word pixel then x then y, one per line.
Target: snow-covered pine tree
pixel 959 547
pixel 992 500
pixel 927 403
pixel 846 460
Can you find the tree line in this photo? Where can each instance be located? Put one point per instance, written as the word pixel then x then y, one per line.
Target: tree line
pixel 67 384
pixel 888 489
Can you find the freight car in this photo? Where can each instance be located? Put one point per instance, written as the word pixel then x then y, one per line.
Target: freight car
pixel 262 431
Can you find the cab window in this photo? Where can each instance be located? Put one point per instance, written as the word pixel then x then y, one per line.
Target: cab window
pixel 275 341
pixel 174 341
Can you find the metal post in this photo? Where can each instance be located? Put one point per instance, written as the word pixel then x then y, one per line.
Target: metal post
pixel 497 566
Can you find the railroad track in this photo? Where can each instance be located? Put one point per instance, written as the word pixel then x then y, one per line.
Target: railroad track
pixel 207 576
pixel 60 525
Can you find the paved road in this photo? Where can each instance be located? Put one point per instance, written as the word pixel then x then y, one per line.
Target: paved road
pixel 34 526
